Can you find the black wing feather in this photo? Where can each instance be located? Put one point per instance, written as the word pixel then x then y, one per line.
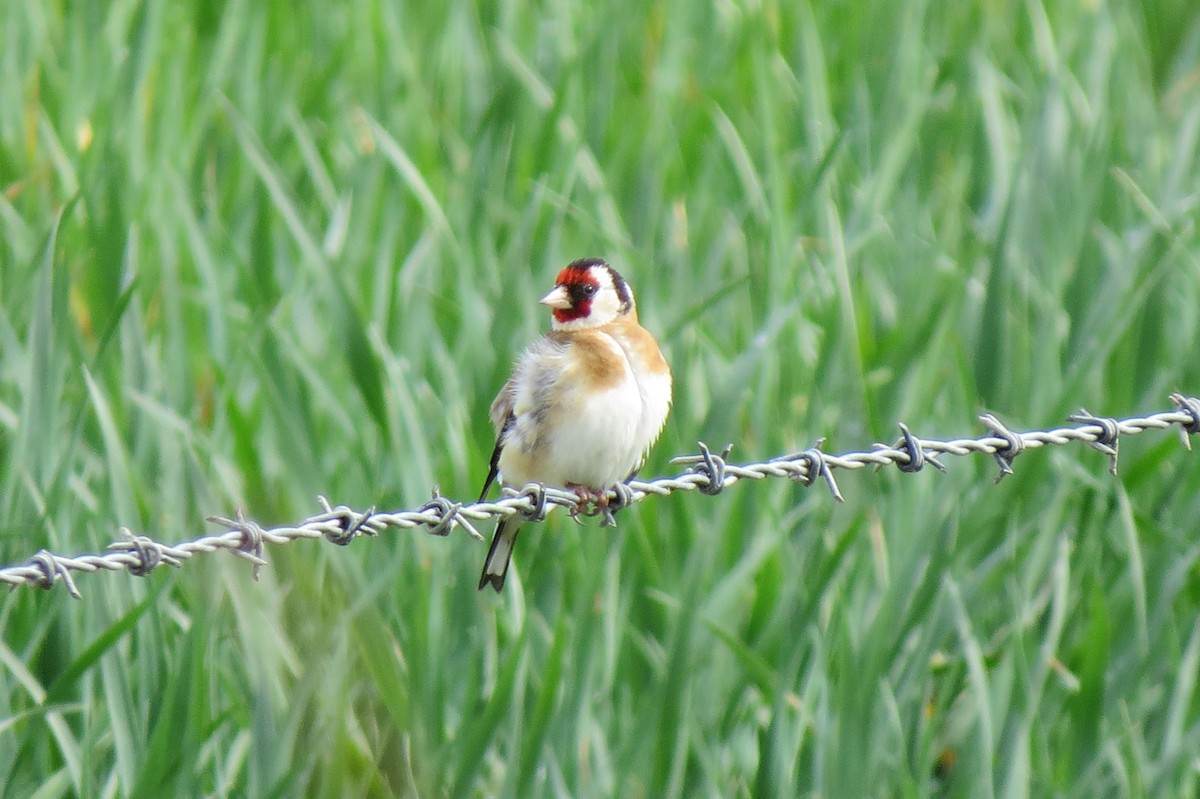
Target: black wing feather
pixel 494 465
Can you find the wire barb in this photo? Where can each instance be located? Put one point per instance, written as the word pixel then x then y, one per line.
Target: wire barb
pixel 1014 445
pixel 917 459
pixel 445 510
pixel 250 545
pixel 1109 439
pixel 536 494
pixel 814 463
pixel 707 465
pixel 1190 406
pixel 707 472
pixel 342 524
pixel 148 551
pixel 52 568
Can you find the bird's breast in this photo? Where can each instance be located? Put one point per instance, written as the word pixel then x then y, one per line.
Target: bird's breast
pixel 579 422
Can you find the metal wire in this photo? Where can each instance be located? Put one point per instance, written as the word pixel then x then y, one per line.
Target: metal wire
pixel 706 472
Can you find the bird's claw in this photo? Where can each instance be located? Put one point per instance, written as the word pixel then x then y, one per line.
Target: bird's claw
pixel 623 500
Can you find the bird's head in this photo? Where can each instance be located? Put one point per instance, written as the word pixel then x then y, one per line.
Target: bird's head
pixel 588 293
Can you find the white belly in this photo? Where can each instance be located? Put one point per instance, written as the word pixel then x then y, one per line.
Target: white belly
pixel 596 445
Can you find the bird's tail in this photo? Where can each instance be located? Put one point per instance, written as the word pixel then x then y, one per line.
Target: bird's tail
pixel 495 568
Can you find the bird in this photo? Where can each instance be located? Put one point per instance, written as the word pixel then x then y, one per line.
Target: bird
pixel 584 404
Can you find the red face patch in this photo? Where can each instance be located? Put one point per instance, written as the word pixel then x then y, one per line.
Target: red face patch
pixel 581 286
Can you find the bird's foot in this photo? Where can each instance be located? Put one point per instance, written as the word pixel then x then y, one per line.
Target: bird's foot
pixel 590 501
pixel 597 502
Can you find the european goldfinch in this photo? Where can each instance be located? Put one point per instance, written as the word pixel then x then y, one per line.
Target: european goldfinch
pixel 585 402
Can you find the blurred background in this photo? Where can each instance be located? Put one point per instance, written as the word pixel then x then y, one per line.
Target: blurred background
pixel 254 253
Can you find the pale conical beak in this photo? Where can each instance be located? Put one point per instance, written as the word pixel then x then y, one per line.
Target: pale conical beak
pixel 557 298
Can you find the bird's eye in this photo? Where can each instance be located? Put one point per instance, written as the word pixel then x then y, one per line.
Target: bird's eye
pixel 588 289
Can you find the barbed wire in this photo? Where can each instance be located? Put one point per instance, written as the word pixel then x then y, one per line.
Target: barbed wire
pixel 707 472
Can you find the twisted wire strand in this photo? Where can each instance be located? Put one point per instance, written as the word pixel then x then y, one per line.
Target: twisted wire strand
pixel 706 472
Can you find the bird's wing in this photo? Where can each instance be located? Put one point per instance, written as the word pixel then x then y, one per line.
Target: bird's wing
pixel 502 419
pixel 530 392
pixel 494 464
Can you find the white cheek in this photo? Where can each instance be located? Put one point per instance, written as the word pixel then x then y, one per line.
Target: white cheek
pixel 606 305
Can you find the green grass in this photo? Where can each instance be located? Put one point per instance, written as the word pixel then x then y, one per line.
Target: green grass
pixel 250 255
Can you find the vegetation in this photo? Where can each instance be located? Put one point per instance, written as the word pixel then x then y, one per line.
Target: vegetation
pixel 251 253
